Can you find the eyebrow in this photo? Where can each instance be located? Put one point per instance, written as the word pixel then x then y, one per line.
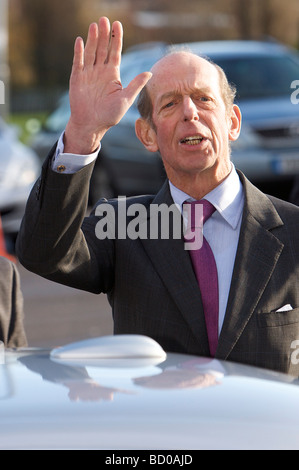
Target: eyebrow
pixel 173 94
pixel 170 94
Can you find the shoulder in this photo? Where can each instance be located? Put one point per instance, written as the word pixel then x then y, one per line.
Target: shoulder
pixel 285 209
pixel 265 207
pixel 289 214
pixel 145 200
pixel 121 203
pixel 7 267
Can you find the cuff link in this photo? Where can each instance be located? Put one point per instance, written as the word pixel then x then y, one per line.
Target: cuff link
pixel 61 168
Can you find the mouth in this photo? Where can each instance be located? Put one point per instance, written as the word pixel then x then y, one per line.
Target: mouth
pixel 192 140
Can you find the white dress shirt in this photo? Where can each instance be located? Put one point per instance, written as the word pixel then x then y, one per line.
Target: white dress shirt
pixel 69 163
pixel 221 230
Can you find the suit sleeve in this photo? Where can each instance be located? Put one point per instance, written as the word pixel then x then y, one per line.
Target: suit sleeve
pixel 55 241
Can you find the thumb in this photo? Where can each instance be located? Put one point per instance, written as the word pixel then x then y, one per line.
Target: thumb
pixel 136 85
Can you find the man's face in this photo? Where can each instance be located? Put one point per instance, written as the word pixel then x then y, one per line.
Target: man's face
pixel 191 122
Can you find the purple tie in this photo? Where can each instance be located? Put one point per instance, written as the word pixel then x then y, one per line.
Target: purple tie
pixel 206 273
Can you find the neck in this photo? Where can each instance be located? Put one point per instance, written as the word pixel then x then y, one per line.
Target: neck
pixel 200 184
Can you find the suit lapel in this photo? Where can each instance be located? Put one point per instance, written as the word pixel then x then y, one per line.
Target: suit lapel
pixel 173 264
pixel 257 254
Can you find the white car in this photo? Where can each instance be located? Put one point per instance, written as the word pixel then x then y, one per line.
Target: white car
pixel 19 168
pixel 125 393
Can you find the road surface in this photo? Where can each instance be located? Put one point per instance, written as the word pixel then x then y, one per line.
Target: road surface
pixel 56 314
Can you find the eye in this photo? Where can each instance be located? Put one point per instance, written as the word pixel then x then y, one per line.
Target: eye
pixel 201 98
pixel 168 105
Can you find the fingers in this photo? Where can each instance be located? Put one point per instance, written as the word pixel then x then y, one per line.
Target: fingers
pixel 91 45
pixel 103 40
pixel 116 43
pixel 78 61
pixel 103 45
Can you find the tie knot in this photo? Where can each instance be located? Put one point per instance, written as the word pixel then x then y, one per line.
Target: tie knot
pixel 207 211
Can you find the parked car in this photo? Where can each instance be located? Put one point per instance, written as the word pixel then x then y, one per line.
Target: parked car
pixel 267 150
pixel 124 392
pixel 19 168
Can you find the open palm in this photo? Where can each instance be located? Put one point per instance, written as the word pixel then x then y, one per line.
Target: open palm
pixel 97 98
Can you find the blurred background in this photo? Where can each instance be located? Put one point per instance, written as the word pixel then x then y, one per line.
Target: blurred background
pixel 37 36
pixel 36 49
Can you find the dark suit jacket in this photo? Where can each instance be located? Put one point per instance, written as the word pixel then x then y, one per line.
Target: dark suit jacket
pixel 12 331
pixel 151 284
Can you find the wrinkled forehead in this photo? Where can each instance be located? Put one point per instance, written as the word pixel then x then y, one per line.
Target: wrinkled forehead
pixel 183 70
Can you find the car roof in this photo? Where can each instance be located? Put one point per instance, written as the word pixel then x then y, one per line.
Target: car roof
pixel 239 48
pixel 61 400
pixel 232 48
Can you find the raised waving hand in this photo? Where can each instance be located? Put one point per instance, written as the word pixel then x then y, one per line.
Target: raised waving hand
pixel 97 99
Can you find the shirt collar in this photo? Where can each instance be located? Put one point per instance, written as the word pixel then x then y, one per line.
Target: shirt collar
pixel 227 198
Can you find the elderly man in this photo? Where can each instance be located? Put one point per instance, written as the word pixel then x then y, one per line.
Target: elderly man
pixel 234 297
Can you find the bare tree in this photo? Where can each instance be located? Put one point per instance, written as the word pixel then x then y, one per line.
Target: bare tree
pixel 42 32
pixel 47 29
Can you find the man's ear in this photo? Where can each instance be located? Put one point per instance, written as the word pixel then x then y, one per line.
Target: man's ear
pixel 235 123
pixel 146 134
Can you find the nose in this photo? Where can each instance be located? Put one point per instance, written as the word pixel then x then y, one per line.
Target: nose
pixel 190 109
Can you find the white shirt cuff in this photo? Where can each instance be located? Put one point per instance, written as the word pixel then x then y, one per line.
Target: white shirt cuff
pixel 68 162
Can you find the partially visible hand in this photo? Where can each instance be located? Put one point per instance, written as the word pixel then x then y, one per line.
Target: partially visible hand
pixel 91 391
pixel 97 99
